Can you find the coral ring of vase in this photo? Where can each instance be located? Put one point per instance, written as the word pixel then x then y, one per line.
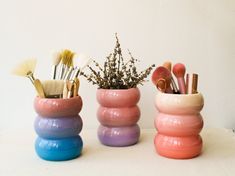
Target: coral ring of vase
pixel 117 98
pixel 178 147
pixel 57 107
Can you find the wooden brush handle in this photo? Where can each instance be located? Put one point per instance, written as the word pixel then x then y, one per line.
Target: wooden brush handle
pixel 76 87
pixel 39 88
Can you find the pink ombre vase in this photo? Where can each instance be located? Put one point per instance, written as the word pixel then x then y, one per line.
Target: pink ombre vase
pixel 118 114
pixel 179 123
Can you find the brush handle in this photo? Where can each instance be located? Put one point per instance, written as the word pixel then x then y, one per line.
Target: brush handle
pixel 75 74
pixel 76 87
pixel 66 69
pixel 181 84
pixel 53 72
pixel 39 88
pixel 65 90
pixel 174 87
pixel 61 73
pixel 67 76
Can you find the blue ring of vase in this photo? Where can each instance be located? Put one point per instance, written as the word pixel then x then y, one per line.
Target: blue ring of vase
pixel 56 128
pixel 59 149
pixel 119 136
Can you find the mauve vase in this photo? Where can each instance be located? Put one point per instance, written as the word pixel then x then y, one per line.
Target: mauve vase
pixel 179 123
pixel 118 115
pixel 58 125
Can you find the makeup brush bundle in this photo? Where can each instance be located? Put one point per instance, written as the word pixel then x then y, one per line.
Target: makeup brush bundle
pixel 64 82
pixel 164 81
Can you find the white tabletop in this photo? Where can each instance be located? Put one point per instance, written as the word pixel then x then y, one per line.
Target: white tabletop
pixel 19 158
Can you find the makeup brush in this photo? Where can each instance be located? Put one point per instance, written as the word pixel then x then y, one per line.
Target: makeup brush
pixel 76 85
pixel 179 72
pixel 161 73
pixel 26 69
pixel 161 85
pixel 81 62
pixel 191 83
pixel 69 67
pixel 67 91
pixel 39 88
pixel 64 59
pixel 167 65
pixel 55 62
pixel 70 87
pixel 67 59
pixel 53 88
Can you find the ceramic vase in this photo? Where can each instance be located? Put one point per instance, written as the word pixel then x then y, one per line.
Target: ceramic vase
pixel 118 115
pixel 179 123
pixel 58 125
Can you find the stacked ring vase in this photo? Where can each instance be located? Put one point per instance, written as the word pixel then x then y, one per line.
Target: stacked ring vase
pixel 118 115
pixel 58 125
pixel 178 125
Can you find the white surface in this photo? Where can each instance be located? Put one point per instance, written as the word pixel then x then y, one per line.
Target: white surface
pixel 217 159
pixel 199 33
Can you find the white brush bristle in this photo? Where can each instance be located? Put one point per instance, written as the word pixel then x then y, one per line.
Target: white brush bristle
pixel 82 61
pixel 56 58
pixel 24 68
pixel 53 87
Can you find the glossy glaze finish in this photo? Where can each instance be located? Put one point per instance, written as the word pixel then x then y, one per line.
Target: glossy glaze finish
pixel 179 103
pixel 116 98
pixel 119 136
pixel 50 107
pixel 178 147
pixel 179 123
pixel 118 114
pixel 55 128
pixel 58 125
pixel 59 150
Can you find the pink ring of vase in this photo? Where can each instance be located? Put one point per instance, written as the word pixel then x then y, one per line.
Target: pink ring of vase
pixel 179 125
pixel 57 107
pixel 117 98
pixel 118 116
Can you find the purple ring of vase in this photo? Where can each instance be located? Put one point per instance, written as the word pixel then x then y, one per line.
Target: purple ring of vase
pixel 119 136
pixel 56 128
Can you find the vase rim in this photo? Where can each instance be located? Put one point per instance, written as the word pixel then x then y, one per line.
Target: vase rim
pixel 59 99
pixel 133 88
pixel 179 95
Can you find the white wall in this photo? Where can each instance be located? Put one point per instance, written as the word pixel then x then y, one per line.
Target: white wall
pixel 199 33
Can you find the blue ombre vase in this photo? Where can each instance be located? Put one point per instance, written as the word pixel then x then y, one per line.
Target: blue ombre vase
pixel 58 125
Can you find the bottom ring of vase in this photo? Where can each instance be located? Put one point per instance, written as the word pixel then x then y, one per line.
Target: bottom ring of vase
pixel 119 136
